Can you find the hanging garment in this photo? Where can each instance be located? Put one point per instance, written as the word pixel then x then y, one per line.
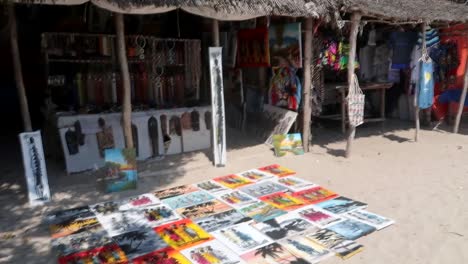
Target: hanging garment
pixel 154 135
pixel 381 63
pixel 402 44
pixel 72 142
pixel 426 85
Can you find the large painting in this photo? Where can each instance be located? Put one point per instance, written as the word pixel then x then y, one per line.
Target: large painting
pixel 253 48
pixel 217 104
pixel 35 168
pixel 285 45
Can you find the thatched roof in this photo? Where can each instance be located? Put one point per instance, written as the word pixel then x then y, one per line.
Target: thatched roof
pixel 411 10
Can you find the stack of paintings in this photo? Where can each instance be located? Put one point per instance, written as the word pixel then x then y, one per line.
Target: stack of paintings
pixel 263 215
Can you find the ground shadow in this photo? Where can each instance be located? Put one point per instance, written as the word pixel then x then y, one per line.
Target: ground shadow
pixel 396 138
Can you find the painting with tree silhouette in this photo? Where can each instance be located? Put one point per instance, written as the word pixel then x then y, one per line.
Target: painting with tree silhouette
pixel 352 229
pixel 221 220
pixel 306 249
pixel 120 167
pixel 163 256
pixel 343 247
pixel 204 209
pixel 123 222
pixel 340 205
pixel 175 191
pixel 139 242
pixel 272 253
pixel 263 188
pixel 241 238
pixel 375 220
pixel 188 199
pixel 288 143
pixel 89 238
pixel 261 211
pixel 284 226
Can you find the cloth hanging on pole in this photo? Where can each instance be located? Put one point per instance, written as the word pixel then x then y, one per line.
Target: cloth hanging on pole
pixel 426 84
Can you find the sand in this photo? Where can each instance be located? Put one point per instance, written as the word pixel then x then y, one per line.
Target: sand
pixel 423 186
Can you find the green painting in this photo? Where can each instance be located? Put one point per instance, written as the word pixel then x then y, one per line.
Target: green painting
pixel 287 143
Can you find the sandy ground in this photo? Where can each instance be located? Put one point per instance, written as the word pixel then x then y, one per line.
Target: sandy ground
pixel 423 186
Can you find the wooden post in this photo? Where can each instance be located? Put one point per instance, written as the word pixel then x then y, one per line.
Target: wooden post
pixel 461 104
pixel 23 100
pixel 416 89
pixel 307 83
pixel 215 33
pixel 355 19
pixel 127 103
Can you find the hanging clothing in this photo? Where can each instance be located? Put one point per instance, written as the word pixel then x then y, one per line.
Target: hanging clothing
pixel 426 85
pixel 432 37
pixel 381 63
pixel 366 60
pixel 402 44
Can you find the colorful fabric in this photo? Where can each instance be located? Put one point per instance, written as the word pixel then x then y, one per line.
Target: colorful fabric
pixel 285 88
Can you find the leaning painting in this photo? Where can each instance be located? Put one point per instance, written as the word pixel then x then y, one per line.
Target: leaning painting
pixel 121 173
pixel 288 143
pixel 285 45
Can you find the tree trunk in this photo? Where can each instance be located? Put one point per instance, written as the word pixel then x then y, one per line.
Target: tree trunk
pixel 307 86
pixel 127 104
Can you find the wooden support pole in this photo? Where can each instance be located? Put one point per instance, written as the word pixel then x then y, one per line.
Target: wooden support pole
pixel 127 103
pixel 461 104
pixel 307 86
pixel 23 100
pixel 215 33
pixel 416 89
pixel 355 19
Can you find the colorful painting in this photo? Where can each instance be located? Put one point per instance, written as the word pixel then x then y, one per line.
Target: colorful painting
pixel 271 253
pixel 375 220
pixel 72 225
pixel 204 209
pixel 211 187
pixel 263 188
pixel 253 48
pixel 337 243
pixel 314 195
pixel 211 252
pixel 341 205
pixel 123 222
pixel 175 191
pixel 282 201
pixel 278 170
pixel 221 220
pixel 285 45
pixel 163 256
pixel 288 143
pixel 182 234
pixel 110 254
pixel 139 242
pixel 319 218
pixel 256 175
pixel 283 226
pixel 139 201
pixel 295 184
pixel 261 211
pixel 189 199
pixel 306 249
pixel 90 238
pixel 236 198
pixel 232 181
pixel 352 229
pixel 241 238
pixel 121 173
pixel 159 214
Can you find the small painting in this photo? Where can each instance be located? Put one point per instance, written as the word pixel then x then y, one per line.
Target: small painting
pixel 90 238
pixel 139 201
pixel 163 256
pixel 294 183
pixel 283 226
pixel 72 226
pixel 204 209
pixel 105 208
pixel 278 170
pixel 263 188
pixel 337 243
pixel 282 201
pixel 69 214
pixel 182 234
pixel 241 238
pixel 261 211
pixel 288 143
pixel 341 205
pixel 221 220
pixel 159 214
pixel 189 199
pixel 139 242
pixel 120 166
pixel 319 218
pixel 256 175
pixel 110 254
pixel 212 252
pixel 232 181
pixel 211 187
pixel 302 247
pixel 123 222
pixel 236 198
pixel 285 45
pixel 375 220
pixel 352 229
pixel 175 191
pixel 272 253
pixel 314 195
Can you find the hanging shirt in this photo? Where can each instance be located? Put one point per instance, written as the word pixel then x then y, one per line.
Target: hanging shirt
pixel 402 44
pixel 426 85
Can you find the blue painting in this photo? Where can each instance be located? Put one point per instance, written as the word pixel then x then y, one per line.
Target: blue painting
pixel 120 166
pixel 341 205
pixel 352 229
pixel 285 45
pixel 189 199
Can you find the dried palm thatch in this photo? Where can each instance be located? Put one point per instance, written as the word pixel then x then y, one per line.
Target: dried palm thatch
pixel 410 10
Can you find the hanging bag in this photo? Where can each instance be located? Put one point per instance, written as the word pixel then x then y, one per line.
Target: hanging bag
pixel 356 100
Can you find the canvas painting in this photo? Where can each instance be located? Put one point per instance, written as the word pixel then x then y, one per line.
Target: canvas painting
pixel 72 226
pixel 306 249
pixel 139 201
pixel 139 242
pixel 123 222
pixel 163 256
pixel 35 168
pixel 232 181
pixel 272 253
pixel 120 166
pixel 189 199
pixel 236 198
pixel 352 229
pixel 221 220
pixel 159 214
pixel 204 209
pixel 102 255
pixel 211 187
pixel 277 120
pixel 375 220
pixel 278 170
pixel 318 217
pixel 261 211
pixel 314 195
pixel 253 48
pixel 256 175
pixel 263 188
pixel 68 214
pixel 285 45
pixel 282 201
pixel 283 226
pixel 337 243
pixel 212 252
pixel 241 238
pixel 105 208
pixel 90 238
pixel 341 205
pixel 294 183
pixel 287 143
pixel 182 234
pixel 175 191
pixel 217 105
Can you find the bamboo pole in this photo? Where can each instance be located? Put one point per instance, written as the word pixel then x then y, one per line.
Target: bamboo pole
pixel 307 83
pixel 416 89
pixel 215 33
pixel 355 19
pixel 461 104
pixel 23 100
pixel 127 104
